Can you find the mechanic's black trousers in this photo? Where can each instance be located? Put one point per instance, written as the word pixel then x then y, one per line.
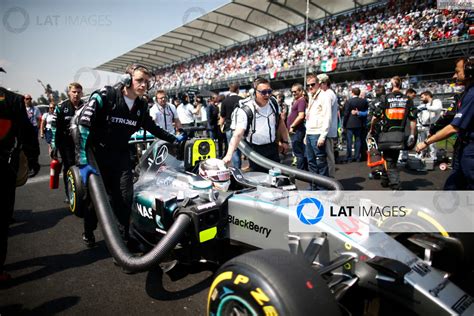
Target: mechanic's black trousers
pixel 7 198
pixel 116 171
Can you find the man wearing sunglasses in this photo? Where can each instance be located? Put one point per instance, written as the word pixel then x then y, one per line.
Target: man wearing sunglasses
pixel 318 120
pixel 105 125
pixel 265 131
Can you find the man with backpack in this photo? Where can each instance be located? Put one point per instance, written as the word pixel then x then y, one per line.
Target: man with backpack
pixel 259 121
pixel 164 114
pixel 105 125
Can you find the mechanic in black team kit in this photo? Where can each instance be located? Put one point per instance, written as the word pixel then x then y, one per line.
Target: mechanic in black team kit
pixel 62 139
pixel 105 125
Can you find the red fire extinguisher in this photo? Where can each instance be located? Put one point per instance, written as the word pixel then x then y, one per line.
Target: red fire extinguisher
pixel 54 171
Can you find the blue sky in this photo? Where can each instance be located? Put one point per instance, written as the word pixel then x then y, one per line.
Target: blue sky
pixel 59 41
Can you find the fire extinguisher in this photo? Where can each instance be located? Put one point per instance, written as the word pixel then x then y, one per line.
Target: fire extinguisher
pixel 54 171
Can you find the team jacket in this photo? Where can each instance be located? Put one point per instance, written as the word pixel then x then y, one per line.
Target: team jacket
pixel 62 117
pixel 15 127
pixel 394 112
pixel 107 122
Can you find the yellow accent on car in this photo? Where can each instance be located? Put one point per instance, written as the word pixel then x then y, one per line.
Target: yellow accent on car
pixel 207 234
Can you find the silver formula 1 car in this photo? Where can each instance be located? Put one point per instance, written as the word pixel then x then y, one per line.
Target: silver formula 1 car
pixel 183 212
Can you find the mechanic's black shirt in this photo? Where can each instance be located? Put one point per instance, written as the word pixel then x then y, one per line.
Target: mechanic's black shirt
pixel 63 113
pixel 111 123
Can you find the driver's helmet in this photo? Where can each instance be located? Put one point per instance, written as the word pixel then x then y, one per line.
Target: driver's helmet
pixel 216 171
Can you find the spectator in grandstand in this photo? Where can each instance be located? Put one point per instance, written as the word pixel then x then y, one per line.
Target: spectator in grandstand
pixel 429 112
pixel 393 115
pixel 34 115
pixel 295 125
pixel 258 120
pixel 462 176
pixel 330 97
pixel 164 114
pixel 318 120
pixel 229 104
pixel 185 112
pixel 363 32
pixel 353 123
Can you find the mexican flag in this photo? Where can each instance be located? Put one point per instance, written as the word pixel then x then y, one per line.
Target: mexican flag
pixel 273 73
pixel 328 65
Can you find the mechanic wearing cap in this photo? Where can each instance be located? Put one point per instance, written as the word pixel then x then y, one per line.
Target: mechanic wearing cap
pixel 62 139
pixel 105 125
pixel 462 176
pixel 258 119
pixel 393 114
pixel 16 133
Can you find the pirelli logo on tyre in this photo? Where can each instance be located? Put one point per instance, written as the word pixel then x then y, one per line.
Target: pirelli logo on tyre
pixel 232 291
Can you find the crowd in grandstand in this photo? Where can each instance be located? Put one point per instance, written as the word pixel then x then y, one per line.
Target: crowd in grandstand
pixel 368 31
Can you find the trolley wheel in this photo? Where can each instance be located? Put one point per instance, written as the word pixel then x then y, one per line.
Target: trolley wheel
pixel 269 282
pixel 443 166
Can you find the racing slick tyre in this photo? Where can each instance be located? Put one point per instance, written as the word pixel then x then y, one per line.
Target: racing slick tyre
pixel 77 192
pixel 269 282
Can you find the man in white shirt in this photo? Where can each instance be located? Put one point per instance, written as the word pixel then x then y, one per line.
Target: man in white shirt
pixel 318 120
pixel 429 112
pixel 164 114
pixel 186 112
pixel 267 133
pixel 330 96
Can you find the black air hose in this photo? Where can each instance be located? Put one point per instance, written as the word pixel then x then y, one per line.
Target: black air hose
pixel 114 241
pixel 322 181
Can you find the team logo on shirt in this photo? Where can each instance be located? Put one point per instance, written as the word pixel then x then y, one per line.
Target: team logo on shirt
pixel 121 120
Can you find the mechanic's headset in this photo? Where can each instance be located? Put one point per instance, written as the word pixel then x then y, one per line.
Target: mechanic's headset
pixel 126 78
pixel 469 68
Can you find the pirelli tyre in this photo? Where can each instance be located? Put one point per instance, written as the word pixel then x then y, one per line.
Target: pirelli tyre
pixel 269 282
pixel 78 201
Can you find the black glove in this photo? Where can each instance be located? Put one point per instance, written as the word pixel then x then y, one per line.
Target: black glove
pixel 54 153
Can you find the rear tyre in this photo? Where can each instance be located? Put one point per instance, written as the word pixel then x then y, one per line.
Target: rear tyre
pixel 269 282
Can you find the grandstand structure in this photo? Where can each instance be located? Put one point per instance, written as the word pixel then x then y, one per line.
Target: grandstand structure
pixel 245 21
